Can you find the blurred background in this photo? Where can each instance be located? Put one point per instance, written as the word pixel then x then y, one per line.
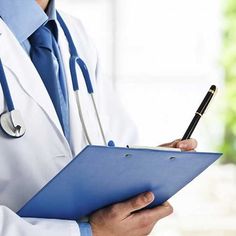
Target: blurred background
pixel 162 57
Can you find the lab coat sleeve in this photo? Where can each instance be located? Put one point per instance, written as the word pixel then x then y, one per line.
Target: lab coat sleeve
pixel 12 225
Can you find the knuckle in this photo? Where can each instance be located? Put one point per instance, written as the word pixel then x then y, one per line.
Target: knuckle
pixel 193 143
pixel 174 143
pixel 170 209
pixel 145 222
pixel 135 203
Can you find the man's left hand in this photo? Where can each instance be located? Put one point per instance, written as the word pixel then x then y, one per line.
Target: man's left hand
pixel 185 145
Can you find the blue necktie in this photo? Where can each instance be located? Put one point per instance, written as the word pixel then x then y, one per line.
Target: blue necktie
pixel 44 51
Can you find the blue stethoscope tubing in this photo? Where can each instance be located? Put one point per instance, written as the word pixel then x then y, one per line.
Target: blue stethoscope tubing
pixel 5 89
pixel 11 121
pixel 74 61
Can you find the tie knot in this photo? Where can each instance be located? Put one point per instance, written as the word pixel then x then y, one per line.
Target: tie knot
pixel 42 37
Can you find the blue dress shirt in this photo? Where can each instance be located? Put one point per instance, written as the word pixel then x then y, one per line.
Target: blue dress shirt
pixel 23 17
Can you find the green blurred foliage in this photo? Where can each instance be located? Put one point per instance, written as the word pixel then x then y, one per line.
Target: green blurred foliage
pixel 229 63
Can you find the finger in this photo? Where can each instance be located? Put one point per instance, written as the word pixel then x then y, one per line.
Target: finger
pixel 187 145
pixel 151 216
pixel 124 209
pixel 171 144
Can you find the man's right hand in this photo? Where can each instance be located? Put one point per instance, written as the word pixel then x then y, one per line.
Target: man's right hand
pixel 128 218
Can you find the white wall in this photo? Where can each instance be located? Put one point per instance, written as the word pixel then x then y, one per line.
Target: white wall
pixel 167 57
pixel 96 16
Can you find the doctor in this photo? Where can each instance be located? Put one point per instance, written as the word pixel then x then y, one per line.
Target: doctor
pixel 43 109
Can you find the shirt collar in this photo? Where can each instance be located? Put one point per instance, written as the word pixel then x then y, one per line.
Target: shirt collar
pixel 25 16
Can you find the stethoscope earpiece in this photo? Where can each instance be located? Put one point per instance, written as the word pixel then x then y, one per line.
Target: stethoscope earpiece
pixel 12 124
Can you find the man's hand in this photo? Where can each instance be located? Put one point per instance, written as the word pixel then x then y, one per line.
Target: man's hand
pixel 185 145
pixel 127 218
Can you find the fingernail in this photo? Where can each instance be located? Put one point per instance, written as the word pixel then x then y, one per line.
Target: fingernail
pixel 148 197
pixel 166 204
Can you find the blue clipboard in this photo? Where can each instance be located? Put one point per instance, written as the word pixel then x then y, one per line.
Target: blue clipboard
pixel 100 176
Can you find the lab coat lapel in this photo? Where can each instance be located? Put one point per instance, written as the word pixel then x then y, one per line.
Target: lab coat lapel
pixel 16 60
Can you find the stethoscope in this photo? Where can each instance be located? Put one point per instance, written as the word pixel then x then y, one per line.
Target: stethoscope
pixel 11 121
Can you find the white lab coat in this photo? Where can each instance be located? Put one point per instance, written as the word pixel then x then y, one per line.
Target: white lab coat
pixel 28 163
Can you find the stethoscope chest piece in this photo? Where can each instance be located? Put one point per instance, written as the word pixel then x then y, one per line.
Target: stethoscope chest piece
pixel 12 124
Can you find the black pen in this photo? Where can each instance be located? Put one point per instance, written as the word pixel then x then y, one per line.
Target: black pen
pixel 200 111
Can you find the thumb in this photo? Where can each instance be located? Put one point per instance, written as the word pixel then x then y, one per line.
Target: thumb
pixel 135 204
